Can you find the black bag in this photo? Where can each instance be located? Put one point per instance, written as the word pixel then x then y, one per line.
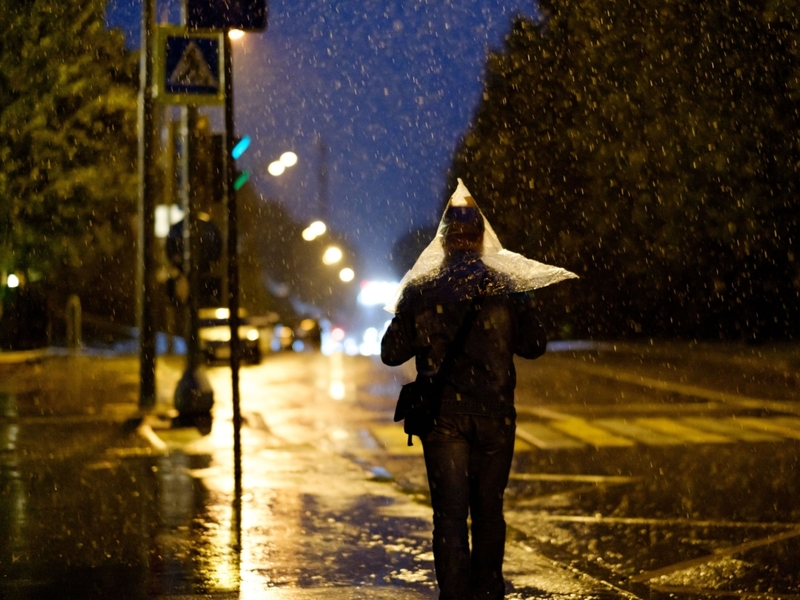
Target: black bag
pixel 418 406
pixel 419 402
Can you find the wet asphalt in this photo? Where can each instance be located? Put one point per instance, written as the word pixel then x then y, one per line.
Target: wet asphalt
pixel 100 501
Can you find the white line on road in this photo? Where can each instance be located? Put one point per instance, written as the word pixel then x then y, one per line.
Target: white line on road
pixel 707 593
pixel 613 479
pixel 717 554
pixel 599 519
pixel 687 390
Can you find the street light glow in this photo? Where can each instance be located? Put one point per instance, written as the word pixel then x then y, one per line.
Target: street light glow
pixel 313 231
pixel 13 281
pixel 347 274
pixel 236 34
pixel 276 168
pixel 377 292
pixel 288 159
pixel 332 255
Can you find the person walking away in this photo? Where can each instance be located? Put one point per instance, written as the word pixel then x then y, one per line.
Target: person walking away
pixel 461 302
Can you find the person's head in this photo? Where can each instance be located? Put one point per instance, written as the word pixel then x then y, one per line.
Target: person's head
pixel 463 229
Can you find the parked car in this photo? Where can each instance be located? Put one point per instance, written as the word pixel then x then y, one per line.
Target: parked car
pixel 309 334
pixel 214 336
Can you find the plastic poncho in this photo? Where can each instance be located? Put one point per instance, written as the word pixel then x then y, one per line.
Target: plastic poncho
pixel 515 272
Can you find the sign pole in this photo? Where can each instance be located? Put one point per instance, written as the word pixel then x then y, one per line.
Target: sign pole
pixel 233 264
pixel 146 264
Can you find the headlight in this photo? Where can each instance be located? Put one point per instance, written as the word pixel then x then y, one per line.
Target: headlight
pixel 215 334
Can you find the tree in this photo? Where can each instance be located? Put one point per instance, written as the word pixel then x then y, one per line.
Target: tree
pixel 67 145
pixel 630 141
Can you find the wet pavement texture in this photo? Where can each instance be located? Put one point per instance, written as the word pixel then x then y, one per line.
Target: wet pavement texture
pixel 96 502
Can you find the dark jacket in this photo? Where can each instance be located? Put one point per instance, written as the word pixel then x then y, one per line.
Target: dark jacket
pixel 483 377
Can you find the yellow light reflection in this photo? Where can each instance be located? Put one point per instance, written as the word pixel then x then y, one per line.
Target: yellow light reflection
pixel 336 390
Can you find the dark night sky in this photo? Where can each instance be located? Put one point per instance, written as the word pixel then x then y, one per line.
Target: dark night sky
pixel 389 85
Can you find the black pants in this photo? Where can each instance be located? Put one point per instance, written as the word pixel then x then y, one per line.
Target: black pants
pixel 468 458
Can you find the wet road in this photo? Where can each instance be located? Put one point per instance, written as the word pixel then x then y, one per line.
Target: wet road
pixel 666 471
pixel 647 472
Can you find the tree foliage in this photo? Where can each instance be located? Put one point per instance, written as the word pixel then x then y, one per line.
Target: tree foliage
pixel 651 146
pixel 67 141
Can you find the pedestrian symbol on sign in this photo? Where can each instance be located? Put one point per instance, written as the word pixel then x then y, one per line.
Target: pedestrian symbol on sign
pixel 192 70
pixel 189 67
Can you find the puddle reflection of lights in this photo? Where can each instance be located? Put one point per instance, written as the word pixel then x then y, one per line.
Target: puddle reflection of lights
pixel 336 390
pixel 339 434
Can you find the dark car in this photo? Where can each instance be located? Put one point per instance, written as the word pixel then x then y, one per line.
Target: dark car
pixel 214 336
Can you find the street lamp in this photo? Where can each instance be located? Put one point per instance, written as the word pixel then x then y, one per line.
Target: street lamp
pixel 277 167
pixel 332 255
pixel 347 274
pixel 313 231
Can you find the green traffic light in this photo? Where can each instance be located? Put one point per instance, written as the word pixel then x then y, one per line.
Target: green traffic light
pixel 241 180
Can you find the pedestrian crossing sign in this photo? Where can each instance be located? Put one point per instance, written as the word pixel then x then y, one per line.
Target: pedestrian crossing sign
pixel 189 66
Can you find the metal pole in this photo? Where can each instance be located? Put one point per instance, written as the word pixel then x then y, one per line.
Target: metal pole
pixel 194 396
pixel 146 267
pixel 233 265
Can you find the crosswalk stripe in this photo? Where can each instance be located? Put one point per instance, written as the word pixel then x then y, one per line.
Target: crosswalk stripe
pixel 792 422
pixel 586 432
pixel 730 427
pixel 395 440
pixel 770 425
pixel 684 432
pixel 545 438
pixel 576 433
pixel 628 428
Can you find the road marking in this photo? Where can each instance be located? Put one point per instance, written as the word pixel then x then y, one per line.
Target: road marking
pixel 611 479
pixel 770 425
pixel 730 427
pixel 684 432
pixel 545 438
pixel 600 519
pixel 564 411
pixel 395 440
pixel 707 593
pixel 687 390
pixel 645 435
pixel 543 412
pixel 716 555
pixel 792 422
pixel 595 436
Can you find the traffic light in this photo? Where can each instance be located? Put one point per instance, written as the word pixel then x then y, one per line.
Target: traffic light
pixel 247 15
pixel 238 150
